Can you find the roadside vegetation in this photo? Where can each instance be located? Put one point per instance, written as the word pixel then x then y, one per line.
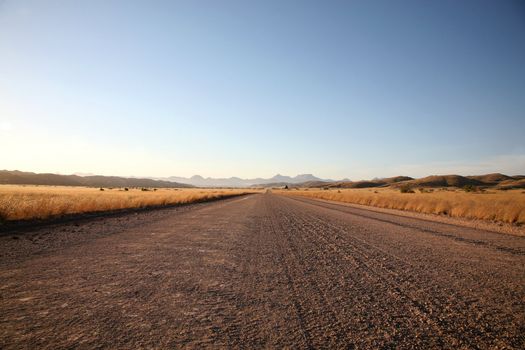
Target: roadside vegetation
pixel 494 205
pixel 26 202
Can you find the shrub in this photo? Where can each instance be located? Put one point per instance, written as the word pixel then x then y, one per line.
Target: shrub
pixel 406 189
pixel 469 188
pixel 101 189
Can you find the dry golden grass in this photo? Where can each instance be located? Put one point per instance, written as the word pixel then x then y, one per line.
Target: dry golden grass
pixel 502 206
pixel 42 202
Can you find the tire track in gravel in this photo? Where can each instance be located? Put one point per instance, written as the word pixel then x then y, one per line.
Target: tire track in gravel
pixel 296 269
pixel 374 263
pixel 335 255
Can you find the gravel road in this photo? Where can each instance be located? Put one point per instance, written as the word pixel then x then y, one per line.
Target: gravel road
pixel 261 271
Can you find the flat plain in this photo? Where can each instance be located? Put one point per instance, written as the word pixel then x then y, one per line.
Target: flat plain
pixel 30 202
pixel 261 270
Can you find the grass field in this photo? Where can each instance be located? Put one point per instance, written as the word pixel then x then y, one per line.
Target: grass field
pixel 501 206
pixel 24 202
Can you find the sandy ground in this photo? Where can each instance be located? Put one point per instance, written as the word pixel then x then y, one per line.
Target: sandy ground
pixel 261 271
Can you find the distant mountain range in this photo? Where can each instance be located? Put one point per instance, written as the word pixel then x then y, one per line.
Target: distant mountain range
pixel 496 180
pixel 199 181
pixel 28 178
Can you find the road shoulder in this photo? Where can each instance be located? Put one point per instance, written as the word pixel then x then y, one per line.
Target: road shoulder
pixel 497 227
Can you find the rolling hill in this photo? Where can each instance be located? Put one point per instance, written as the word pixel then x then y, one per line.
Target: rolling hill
pixel 496 180
pixel 29 178
pixel 443 181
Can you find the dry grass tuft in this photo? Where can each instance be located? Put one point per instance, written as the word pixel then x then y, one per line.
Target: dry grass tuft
pixel 508 206
pixel 19 202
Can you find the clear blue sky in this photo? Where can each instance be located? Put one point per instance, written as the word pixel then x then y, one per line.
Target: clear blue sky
pixel 352 89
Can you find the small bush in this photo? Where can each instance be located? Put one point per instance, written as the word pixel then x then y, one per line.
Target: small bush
pixel 101 189
pixel 469 188
pixel 406 189
pixel 126 189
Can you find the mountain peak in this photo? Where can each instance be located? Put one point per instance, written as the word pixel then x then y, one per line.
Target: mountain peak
pixel 233 181
pixel 306 177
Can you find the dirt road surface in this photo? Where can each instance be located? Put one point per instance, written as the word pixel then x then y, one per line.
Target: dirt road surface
pixel 261 271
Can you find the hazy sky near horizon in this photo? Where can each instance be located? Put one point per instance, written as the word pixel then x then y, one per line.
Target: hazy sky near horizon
pixel 353 89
